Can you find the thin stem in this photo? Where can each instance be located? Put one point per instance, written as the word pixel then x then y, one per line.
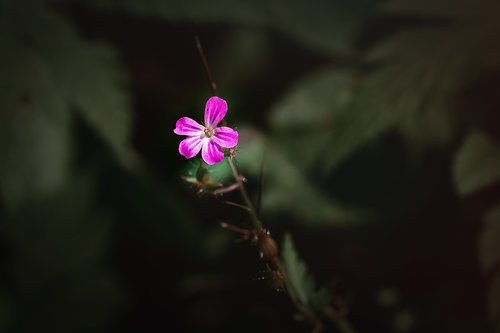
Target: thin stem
pixel 253 214
pixel 230 203
pixel 204 62
pixel 261 186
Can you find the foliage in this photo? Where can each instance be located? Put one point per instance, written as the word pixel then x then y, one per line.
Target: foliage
pixel 309 299
pixel 369 72
pixel 286 187
pixel 477 164
pixel 53 72
pixel 330 28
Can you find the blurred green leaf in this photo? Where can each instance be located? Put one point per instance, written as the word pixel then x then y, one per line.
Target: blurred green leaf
pixel 88 74
pixel 49 71
pixel 286 187
pixel 477 164
pixel 328 27
pixel 304 119
pixel 473 23
pixel 415 78
pixel 35 139
pixel 300 283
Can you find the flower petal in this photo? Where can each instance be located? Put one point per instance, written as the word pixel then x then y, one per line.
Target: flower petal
pixel 188 126
pixel 215 110
pixel 211 152
pixel 225 137
pixel 190 146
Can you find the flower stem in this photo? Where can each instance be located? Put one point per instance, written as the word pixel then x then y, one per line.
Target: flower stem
pixel 257 224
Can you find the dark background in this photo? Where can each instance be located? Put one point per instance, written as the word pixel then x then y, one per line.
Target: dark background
pixel 362 112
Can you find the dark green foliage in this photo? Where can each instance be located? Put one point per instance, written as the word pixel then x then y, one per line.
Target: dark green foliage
pixel 331 86
pixel 309 299
pixel 52 72
pixel 477 164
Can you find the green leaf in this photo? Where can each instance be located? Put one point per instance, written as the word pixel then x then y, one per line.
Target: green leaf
pixel 477 164
pixel 474 24
pixel 49 72
pixel 35 139
pixel 89 76
pixel 300 283
pixel 305 119
pixel 416 78
pixel 286 187
pixel 328 27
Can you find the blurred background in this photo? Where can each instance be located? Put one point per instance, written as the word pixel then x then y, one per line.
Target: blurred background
pixel 377 123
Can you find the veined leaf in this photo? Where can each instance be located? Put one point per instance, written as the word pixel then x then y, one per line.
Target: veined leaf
pixel 477 164
pixel 300 283
pixel 49 71
pixel 88 74
pixel 34 126
pixel 286 187
pixel 304 119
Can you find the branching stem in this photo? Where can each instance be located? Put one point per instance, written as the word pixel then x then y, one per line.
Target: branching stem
pixel 257 224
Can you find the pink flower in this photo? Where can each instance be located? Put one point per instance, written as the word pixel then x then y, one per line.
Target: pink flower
pixel 209 138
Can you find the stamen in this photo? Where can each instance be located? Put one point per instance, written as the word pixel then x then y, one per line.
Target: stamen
pixel 208 132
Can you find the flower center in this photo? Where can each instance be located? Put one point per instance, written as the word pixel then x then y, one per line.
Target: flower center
pixel 208 132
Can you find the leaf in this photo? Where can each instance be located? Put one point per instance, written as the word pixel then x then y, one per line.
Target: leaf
pixel 300 283
pixel 286 188
pixel 416 76
pixel 89 77
pixel 34 126
pixel 328 27
pixel 474 23
pixel 477 164
pixel 49 72
pixel 306 116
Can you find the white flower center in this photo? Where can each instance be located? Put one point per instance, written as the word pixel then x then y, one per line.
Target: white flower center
pixel 208 132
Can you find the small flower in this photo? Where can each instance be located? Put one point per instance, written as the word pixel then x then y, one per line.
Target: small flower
pixel 209 138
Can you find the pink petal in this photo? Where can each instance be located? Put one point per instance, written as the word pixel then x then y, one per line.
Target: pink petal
pixel 215 110
pixel 211 152
pixel 225 137
pixel 190 146
pixel 188 126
